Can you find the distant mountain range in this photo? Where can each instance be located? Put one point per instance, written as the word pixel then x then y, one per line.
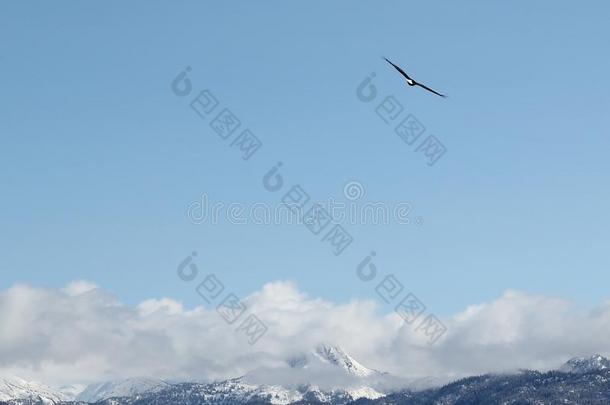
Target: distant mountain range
pixel 16 389
pixel 579 381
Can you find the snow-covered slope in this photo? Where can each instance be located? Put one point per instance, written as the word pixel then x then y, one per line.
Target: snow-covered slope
pixel 14 388
pixel 351 381
pixel 581 365
pixel 323 364
pixel 71 391
pixel 121 388
pixel 585 380
pixel 334 355
pixel 238 391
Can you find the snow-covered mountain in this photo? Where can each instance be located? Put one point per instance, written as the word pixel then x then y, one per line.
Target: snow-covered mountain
pixel 337 357
pixel 121 388
pixel 581 381
pixel 340 379
pixel 238 391
pixel 327 354
pixel 324 362
pixel 17 389
pixel 581 365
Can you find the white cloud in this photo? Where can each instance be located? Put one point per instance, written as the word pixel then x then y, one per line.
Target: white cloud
pixel 165 305
pixel 79 287
pixel 81 333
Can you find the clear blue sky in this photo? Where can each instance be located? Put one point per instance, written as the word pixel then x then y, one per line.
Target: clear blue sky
pixel 99 159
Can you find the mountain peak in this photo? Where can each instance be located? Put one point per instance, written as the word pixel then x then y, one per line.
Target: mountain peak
pixel 334 355
pixel 12 388
pixel 582 365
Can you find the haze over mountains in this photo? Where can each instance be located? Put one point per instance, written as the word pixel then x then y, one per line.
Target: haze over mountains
pixel 328 375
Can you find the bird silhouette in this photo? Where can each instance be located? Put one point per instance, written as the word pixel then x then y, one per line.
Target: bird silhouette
pixel 412 82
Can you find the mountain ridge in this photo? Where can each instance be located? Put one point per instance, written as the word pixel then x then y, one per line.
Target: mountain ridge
pixel 579 379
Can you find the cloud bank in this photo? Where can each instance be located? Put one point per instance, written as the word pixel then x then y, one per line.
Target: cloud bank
pixel 82 334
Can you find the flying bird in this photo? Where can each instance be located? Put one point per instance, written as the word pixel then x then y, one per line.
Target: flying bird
pixel 412 82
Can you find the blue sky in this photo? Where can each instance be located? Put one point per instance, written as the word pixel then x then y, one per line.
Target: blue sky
pixel 99 159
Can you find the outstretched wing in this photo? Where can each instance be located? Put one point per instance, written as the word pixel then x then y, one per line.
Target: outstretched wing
pixel 429 89
pixel 402 72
